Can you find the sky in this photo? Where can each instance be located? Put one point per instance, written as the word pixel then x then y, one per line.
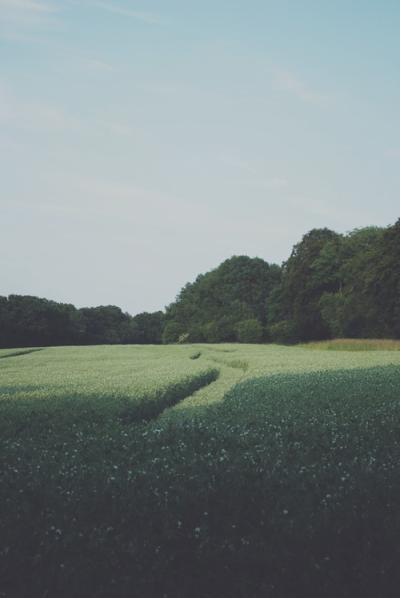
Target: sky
pixel 145 142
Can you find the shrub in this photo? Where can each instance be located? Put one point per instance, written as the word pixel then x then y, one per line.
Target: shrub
pixel 196 335
pixel 211 332
pixel 171 333
pixel 284 333
pixel 249 331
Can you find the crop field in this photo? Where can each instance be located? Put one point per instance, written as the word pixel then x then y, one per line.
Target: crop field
pixel 243 471
pixel 354 344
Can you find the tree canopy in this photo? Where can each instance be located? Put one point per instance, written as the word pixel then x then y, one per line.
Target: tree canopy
pixel 211 308
pixel 27 321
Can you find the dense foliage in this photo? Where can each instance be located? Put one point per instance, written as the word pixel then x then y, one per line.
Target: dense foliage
pixel 213 307
pixel 32 322
pixel 282 485
pixel 331 286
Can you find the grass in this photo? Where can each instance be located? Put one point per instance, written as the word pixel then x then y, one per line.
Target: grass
pixel 278 479
pixel 348 344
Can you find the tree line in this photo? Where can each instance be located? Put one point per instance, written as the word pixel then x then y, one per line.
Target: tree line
pixel 27 321
pixel 332 286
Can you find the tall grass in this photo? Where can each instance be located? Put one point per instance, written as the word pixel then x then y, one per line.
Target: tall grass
pixel 348 344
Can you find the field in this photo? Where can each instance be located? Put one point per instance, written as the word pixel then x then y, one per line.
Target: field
pixel 199 471
pixel 351 344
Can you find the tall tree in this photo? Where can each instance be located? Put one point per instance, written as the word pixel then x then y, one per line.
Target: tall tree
pixel 311 270
pixel 210 308
pixel 349 310
pixel 147 328
pixel 106 324
pixel 384 283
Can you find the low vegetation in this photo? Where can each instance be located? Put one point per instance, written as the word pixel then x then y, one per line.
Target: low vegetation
pixel 351 344
pixel 277 477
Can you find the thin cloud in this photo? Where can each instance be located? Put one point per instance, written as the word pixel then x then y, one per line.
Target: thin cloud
pixel 35 116
pixel 273 183
pixel 25 13
pixel 238 164
pixel 99 65
pixel 287 82
pixel 117 194
pixel 4 102
pixel 92 64
pixel 168 88
pixel 116 128
pixel 27 5
pixel 197 93
pixel 144 209
pixel 393 153
pixel 257 180
pixel 322 208
pixel 140 16
pixel 23 39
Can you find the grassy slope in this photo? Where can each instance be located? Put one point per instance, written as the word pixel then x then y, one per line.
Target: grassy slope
pixel 286 486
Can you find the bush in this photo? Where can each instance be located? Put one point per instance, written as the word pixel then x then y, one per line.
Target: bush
pixel 211 334
pixel 219 331
pixel 284 333
pixel 171 333
pixel 196 335
pixel 249 331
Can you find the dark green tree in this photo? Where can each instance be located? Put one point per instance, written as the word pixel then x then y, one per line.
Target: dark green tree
pixel 349 310
pixel 105 325
pixel 249 331
pixel 235 291
pixel 171 333
pixel 384 282
pixel 27 321
pixel 311 270
pixel 147 328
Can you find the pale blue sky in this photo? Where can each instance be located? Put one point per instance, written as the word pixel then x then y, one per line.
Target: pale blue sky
pixel 143 143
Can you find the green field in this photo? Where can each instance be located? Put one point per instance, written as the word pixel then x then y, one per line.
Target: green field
pixel 354 344
pixel 208 470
